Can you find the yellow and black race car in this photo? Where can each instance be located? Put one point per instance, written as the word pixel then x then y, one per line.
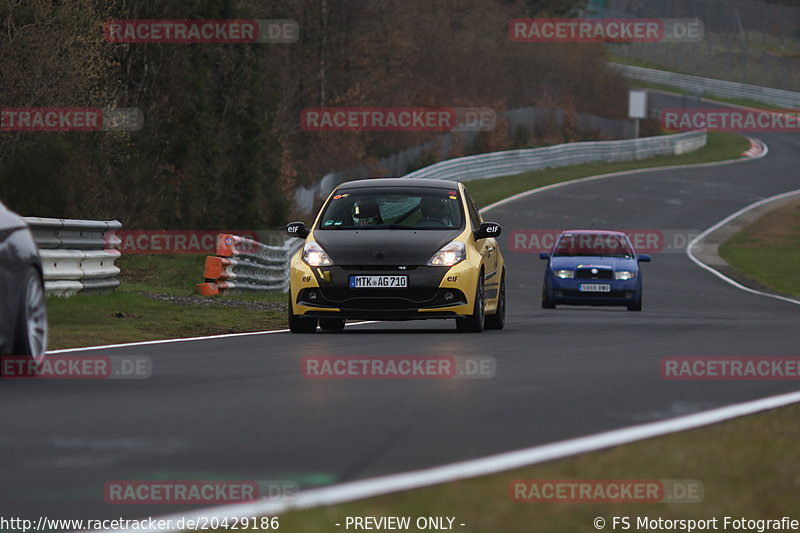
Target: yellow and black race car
pixel 397 249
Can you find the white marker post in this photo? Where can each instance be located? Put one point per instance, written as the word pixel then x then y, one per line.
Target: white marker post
pixel 637 107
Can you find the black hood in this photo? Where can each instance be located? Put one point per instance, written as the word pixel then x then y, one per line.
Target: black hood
pixel 383 246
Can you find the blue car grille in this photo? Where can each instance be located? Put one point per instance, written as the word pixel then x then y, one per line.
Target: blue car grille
pixel 586 273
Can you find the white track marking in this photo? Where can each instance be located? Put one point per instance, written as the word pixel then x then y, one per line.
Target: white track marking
pixel 756 149
pixel 720 275
pixel 357 490
pixel 624 173
pixel 187 339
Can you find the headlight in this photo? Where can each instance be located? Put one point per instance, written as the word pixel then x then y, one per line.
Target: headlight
pixel 564 274
pixel 624 274
pixel 315 256
pixel 450 254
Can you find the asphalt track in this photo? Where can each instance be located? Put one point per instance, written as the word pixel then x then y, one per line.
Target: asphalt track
pixel 239 408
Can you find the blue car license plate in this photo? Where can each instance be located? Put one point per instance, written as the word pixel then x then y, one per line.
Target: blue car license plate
pixel 594 287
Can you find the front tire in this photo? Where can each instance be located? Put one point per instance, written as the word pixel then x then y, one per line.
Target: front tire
pixel 474 322
pixel 299 324
pixel 547 303
pixel 498 319
pixel 637 305
pixel 31 336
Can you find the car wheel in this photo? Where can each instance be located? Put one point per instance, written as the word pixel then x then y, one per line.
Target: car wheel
pixel 299 324
pixel 636 305
pixel 474 322
pixel 547 303
pixel 31 335
pixel 498 319
pixel 331 324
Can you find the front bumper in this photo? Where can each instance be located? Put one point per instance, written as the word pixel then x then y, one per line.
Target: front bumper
pixel 432 292
pixel 567 291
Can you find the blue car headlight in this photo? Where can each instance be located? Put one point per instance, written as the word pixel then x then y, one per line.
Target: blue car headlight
pixel 564 274
pixel 624 274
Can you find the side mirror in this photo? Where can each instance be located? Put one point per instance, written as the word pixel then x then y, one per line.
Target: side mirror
pixel 544 255
pixel 297 229
pixel 488 229
pixel 643 258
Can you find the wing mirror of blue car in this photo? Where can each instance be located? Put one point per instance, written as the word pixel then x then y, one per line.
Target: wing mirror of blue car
pixel 644 258
pixel 544 255
pixel 488 229
pixel 297 229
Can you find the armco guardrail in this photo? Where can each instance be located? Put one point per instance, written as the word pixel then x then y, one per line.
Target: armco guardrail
pixel 246 265
pixel 498 164
pixel 723 88
pixel 77 255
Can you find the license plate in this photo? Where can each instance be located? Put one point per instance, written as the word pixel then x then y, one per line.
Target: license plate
pixel 378 282
pixel 595 287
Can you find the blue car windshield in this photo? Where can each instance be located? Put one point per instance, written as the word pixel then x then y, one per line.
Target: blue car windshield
pixel 420 208
pixel 593 244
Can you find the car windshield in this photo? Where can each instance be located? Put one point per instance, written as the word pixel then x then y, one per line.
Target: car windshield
pixel 593 244
pixel 393 208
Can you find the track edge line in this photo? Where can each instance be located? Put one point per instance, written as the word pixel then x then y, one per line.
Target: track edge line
pixel 727 220
pixel 357 490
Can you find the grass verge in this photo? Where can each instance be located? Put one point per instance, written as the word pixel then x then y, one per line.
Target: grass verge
pixel 742 476
pixel 768 250
pixel 156 299
pixel 127 316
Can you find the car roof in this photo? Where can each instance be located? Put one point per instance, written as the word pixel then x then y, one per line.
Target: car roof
pixel 400 182
pixel 594 231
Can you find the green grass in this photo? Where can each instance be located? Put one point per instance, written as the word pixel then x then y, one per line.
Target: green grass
pixel 743 475
pixel 175 274
pixel 127 316
pixel 768 250
pixel 132 313
pixel 774 267
pixel 171 274
pixel 720 146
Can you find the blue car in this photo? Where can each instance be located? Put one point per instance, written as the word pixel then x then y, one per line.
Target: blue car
pixel 591 267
